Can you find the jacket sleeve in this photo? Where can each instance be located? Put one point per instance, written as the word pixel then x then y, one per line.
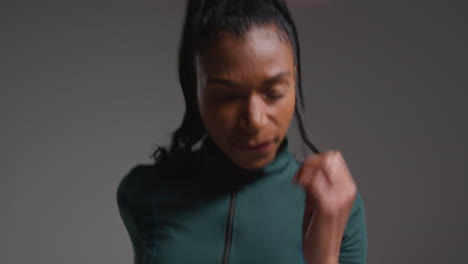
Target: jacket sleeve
pixel 131 204
pixel 354 243
pixel 124 203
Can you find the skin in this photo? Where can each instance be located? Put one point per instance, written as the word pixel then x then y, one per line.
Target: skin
pixel 246 96
pixel 246 93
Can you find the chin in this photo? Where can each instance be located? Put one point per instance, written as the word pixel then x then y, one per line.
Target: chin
pixel 251 160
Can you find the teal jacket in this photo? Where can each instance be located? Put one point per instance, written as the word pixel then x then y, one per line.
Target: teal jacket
pixel 204 209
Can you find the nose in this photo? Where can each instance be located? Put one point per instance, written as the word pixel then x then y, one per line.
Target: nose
pixel 254 115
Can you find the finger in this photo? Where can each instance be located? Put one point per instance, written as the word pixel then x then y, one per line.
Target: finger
pixel 341 163
pixel 338 170
pixel 307 176
pixel 308 166
pixel 330 164
pixel 321 184
pixel 326 161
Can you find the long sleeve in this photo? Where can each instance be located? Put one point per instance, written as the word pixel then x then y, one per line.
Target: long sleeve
pixel 128 217
pixel 137 214
pixel 354 244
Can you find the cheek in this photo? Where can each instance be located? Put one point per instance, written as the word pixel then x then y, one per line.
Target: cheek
pixel 285 110
pixel 217 118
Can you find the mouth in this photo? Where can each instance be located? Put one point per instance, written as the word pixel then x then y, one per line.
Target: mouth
pixel 258 147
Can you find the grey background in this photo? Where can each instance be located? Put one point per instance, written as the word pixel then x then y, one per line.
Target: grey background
pixel 89 88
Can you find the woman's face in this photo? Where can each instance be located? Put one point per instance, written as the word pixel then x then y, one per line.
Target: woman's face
pixel 246 93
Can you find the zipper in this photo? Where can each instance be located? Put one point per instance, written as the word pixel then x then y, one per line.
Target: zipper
pixel 230 220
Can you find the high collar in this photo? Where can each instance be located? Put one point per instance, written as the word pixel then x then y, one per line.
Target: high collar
pixel 222 170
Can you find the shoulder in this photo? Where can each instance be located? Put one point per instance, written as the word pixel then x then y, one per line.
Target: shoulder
pixel 135 183
pixel 146 182
pixel 137 176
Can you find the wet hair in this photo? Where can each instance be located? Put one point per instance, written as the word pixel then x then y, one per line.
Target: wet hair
pixel 205 21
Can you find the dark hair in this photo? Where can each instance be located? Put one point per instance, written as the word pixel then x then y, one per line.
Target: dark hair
pixel 204 21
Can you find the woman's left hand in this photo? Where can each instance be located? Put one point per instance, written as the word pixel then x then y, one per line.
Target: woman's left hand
pixel 330 191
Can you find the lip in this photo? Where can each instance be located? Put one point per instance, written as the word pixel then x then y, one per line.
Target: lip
pixel 262 147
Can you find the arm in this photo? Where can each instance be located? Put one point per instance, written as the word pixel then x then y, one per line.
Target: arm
pixel 333 226
pixel 124 203
pixel 353 248
pixel 354 244
pixel 133 201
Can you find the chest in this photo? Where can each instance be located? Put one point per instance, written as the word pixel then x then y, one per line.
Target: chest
pixel 254 224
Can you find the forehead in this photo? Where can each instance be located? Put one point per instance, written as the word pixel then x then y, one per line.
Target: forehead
pixel 261 50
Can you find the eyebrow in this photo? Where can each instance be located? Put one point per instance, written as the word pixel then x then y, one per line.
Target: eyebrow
pixel 278 77
pixel 230 83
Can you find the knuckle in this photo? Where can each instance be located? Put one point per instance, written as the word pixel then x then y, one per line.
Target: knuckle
pixel 339 155
pixel 352 191
pixel 310 159
pixel 329 153
pixel 328 161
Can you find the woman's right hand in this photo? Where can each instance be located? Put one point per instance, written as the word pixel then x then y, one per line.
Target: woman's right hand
pixel 330 194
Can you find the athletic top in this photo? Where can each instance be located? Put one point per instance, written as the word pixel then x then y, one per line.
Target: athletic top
pixel 202 208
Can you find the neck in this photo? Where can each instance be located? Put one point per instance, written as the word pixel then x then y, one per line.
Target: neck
pixel 222 170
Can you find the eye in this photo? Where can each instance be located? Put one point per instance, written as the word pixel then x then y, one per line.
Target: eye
pixel 275 91
pixel 275 96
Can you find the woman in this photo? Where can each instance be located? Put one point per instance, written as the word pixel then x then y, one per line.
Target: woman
pixel 241 197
